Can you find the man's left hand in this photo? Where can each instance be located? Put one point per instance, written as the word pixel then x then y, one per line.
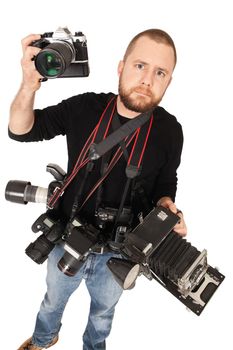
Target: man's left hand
pixel 181 227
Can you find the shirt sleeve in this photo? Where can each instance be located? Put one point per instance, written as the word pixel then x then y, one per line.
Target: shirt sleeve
pixel 50 121
pixel 166 182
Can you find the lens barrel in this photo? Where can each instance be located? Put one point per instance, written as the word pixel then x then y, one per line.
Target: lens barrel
pixel 22 192
pixel 69 265
pixel 53 60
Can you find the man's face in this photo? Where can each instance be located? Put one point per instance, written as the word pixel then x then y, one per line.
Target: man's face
pixel 145 75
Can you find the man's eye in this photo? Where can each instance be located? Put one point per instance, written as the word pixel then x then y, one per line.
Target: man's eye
pixel 140 66
pixel 160 73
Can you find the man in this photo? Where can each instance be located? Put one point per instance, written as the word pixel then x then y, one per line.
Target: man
pixel 144 75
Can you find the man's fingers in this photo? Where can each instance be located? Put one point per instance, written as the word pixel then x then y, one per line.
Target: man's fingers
pixel 28 40
pixel 181 228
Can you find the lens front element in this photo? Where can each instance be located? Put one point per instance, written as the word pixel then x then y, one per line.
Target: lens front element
pixel 50 65
pixel 52 61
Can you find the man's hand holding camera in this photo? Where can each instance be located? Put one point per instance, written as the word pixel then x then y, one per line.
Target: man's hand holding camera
pixel 31 77
pixel 179 228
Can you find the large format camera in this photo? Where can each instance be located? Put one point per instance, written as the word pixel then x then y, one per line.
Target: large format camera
pixel 62 54
pixel 151 249
pixel 156 251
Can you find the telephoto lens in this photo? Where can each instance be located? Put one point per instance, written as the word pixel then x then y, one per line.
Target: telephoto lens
pixel 22 192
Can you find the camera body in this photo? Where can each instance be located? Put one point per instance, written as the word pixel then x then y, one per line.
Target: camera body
pixel 52 228
pixel 53 231
pixel 79 240
pixel 107 216
pixel 62 54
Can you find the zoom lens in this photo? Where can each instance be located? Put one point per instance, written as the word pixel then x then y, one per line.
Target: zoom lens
pixel 52 61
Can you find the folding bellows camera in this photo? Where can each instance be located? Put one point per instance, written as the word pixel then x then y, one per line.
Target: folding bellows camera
pixel 152 249
pixel 156 251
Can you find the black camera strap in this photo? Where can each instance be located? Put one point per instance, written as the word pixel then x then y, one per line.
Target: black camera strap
pixel 98 150
pixel 106 159
pixel 134 163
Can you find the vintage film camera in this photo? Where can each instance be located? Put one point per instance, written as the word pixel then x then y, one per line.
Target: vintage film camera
pixel 62 54
pixel 156 251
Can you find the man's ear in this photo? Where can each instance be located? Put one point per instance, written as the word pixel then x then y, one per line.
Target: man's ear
pixel 120 67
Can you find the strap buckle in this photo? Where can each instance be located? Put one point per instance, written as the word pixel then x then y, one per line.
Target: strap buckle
pixel 98 249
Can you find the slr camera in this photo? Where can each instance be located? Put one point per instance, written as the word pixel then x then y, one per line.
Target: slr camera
pixel 82 238
pixel 52 228
pixel 62 54
pixel 79 241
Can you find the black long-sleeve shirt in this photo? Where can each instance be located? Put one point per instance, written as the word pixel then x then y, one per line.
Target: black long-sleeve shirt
pixel 76 118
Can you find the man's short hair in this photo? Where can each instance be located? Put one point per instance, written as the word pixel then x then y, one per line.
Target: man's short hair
pixel 158 35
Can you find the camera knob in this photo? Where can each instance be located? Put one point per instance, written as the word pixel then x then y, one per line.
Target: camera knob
pixel 47 35
pixel 78 33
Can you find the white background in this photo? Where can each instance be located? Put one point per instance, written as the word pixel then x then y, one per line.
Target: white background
pixel 200 96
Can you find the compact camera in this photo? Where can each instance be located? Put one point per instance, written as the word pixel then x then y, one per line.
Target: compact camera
pixel 62 54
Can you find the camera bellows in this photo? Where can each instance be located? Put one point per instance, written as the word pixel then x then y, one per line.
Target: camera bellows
pixel 173 257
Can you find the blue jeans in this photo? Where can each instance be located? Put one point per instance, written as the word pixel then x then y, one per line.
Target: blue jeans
pixel 103 289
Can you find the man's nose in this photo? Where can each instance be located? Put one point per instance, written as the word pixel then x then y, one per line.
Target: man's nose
pixel 147 79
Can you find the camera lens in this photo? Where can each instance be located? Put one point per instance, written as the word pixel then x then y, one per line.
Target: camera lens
pixel 69 265
pixel 22 192
pixel 52 61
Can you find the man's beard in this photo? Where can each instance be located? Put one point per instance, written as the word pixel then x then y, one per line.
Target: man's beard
pixel 137 104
